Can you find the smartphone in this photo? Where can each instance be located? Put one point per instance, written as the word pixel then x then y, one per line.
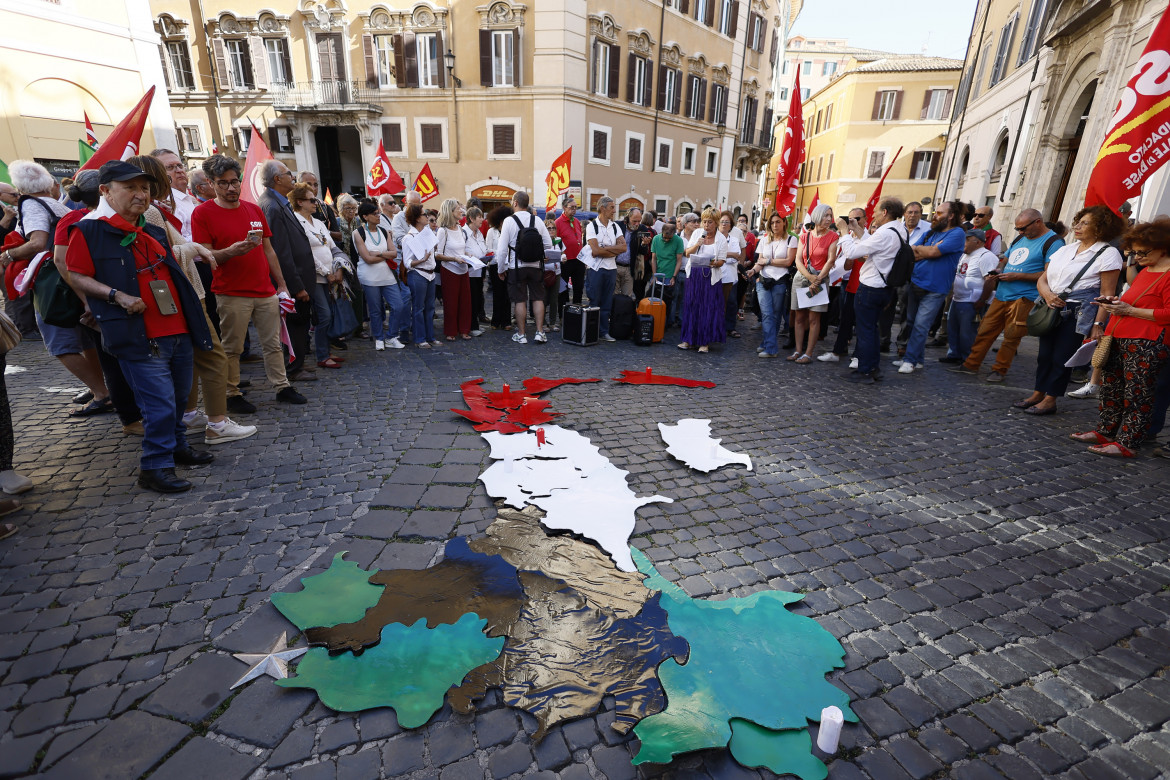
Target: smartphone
pixel 1102 299
pixel 255 235
pixel 993 273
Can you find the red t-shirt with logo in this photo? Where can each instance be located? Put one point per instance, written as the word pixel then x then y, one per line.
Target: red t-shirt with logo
pixel 78 260
pixel 245 276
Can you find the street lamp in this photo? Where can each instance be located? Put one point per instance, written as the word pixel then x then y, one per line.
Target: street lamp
pixel 449 61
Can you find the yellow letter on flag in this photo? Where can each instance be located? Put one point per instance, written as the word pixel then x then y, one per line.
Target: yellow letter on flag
pixel 557 180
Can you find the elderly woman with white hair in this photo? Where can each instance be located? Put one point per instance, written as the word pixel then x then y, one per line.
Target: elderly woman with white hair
pixel 454 253
pixel 38 214
pixel 813 263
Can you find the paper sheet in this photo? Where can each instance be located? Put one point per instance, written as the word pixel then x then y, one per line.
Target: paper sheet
pixel 803 301
pixel 1083 355
pixel 837 272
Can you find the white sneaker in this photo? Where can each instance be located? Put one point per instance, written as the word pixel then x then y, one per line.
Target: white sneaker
pixel 905 367
pixel 477 332
pixel 379 345
pixel 225 431
pixel 519 338
pixel 395 344
pixel 608 337
pixel 194 419
pixel 1090 390
pixel 540 338
pixel 13 483
pixel 829 357
pixel 898 362
pixel 853 363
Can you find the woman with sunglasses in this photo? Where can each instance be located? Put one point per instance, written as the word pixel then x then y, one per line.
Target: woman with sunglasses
pixel 1138 352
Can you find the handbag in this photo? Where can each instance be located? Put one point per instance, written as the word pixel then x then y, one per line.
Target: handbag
pixel 54 300
pixel 1101 353
pixel 9 334
pixel 345 320
pixel 1043 319
pixel 550 278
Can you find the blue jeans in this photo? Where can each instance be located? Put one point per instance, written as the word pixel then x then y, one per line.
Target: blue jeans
pixel 772 303
pixel 599 287
pixel 922 306
pixel 406 313
pixel 324 315
pixel 422 294
pixel 868 305
pixel 378 299
pixel 161 384
pixel 961 329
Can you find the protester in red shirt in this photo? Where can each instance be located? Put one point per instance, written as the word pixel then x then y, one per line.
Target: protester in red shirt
pixel 572 235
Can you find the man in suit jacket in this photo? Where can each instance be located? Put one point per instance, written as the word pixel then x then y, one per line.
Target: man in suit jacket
pixel 296 262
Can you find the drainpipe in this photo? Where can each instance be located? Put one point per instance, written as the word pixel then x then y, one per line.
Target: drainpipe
pixel 661 28
pixel 967 97
pixel 1023 115
pixel 454 94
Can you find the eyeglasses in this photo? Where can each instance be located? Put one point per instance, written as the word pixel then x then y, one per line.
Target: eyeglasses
pixel 1030 224
pixel 1142 252
pixel 228 184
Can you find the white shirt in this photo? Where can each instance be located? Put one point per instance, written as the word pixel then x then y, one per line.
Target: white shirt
pixel 1067 262
pixel 453 243
pixel 374 274
pixel 843 243
pixel 730 270
pixel 881 248
pixel 321 244
pixel 418 252
pixel 969 275
pixel 184 205
pixel 475 247
pixel 768 250
pixel 606 236
pixel 704 255
pixel 509 232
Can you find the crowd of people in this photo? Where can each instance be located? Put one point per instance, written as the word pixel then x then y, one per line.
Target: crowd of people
pixel 144 278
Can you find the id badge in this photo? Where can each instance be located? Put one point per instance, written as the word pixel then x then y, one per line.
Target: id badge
pixel 162 297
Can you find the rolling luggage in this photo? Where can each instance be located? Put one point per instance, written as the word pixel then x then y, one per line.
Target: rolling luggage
pixel 655 307
pixel 644 330
pixel 581 325
pixel 621 317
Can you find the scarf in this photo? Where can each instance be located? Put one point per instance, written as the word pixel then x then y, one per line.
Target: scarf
pixel 133 232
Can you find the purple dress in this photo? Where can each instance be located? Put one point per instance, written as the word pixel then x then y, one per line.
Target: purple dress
pixel 703 304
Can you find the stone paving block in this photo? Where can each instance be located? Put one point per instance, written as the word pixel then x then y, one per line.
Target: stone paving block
pixel 878 764
pixel 40 716
pixel 202 758
pixel 377 723
pixel 450 742
pixel 258 631
pixel 499 726
pixel 425 524
pixel 468 769
pixel 404 754
pixel 364 765
pixel 379 523
pixel 66 742
pixel 913 758
pixel 324 770
pixel 552 753
pixel 879 718
pixel 296 747
pixel 943 746
pixel 128 746
pixel 614 763
pixel 510 760
pixel 394 495
pixel 971 731
pixel 262 713
pixel 197 689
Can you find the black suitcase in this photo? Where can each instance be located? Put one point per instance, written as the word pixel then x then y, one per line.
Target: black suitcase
pixel 581 325
pixel 621 317
pixel 644 330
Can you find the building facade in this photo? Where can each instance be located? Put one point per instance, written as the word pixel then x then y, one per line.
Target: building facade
pixel 855 126
pixel 667 105
pixel 64 59
pixel 818 60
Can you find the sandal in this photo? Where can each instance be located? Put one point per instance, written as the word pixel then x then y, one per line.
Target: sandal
pixel 102 406
pixel 84 397
pixel 803 360
pixel 684 345
pixel 793 357
pixel 465 337
pixel 330 363
pixel 1024 404
pixel 1112 449
pixel 1090 437
pixel 1039 411
pixel 7 530
pixel 450 338
pixel 735 334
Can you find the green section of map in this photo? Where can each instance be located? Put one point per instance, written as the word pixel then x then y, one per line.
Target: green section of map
pixel 340 594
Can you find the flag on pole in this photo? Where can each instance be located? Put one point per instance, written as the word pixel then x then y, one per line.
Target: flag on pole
pixel 253 167
pixel 877 193
pixel 84 152
pixel 90 135
pixel 425 184
pixel 123 141
pixel 214 147
pixel 791 155
pixel 382 179
pixel 328 197
pixel 1138 139
pixel 808 214
pixel 557 180
pixel 4 173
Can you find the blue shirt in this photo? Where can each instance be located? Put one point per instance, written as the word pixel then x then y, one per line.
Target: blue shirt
pixel 280 198
pixel 938 274
pixel 1026 256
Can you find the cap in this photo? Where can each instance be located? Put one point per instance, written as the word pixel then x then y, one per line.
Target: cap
pixel 979 234
pixel 116 170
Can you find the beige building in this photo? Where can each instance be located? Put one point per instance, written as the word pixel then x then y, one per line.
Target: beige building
pixel 63 59
pixel 856 124
pixel 818 60
pixel 666 104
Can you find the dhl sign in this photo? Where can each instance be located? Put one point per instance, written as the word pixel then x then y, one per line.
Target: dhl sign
pixel 557 180
pixel 493 193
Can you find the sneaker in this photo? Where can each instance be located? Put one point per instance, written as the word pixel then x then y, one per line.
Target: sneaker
pixel 540 338
pixel 962 369
pixel 395 344
pixel 829 357
pixel 477 332
pixel 608 337
pixel 1090 390
pixel 194 418
pixel 226 430
pixel 134 429
pixel 905 367
pixel 240 405
pixel 423 345
pixel 995 376
pixel 436 343
pixel 898 363
pixel 767 355
pixel 853 363
pixel 953 359
pixel 379 345
pixel 289 395
pixel 519 338
pixel 13 483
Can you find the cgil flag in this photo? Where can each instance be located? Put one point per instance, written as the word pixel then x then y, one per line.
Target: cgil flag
pixel 382 179
pixel 253 167
pixel 123 141
pixel 328 197
pixel 90 135
pixel 425 184
pixel 1137 142
pixel 815 202
pixel 557 180
pixel 871 204
pixel 791 155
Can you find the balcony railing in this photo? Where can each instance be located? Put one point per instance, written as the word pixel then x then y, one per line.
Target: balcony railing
pixel 328 95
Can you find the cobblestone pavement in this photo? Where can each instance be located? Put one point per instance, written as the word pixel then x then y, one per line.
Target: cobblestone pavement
pixel 1002 595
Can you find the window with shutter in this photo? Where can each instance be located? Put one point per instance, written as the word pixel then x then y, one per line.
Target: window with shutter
pixel 432 138
pixel 614 67
pixel 982 70
pixel 600 145
pixel 384 60
pixel 427 53
pixel 636 80
pixel 712 161
pixel 1031 30
pixel 829 173
pixel 634 151
pixel 1006 38
pixel 392 138
pixel 239 62
pixel 180 62
pixel 503 140
pixel 600 68
pixel 503 59
pixel 276 50
pixel 688 161
pixel 162 56
pixel 883 105
pixel 873 168
pixel 664 157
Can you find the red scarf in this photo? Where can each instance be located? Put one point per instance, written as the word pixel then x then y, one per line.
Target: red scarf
pixel 150 246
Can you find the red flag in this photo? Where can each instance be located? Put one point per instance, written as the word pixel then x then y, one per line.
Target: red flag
pixel 123 141
pixel 877 193
pixel 425 184
pixel 1138 139
pixel 557 180
pixel 791 155
pixel 253 167
pixel 90 135
pixel 382 179
pixel 328 197
pixel 808 213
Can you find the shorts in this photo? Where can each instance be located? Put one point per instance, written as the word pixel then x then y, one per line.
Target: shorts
pixel 799 289
pixel 526 282
pixel 65 341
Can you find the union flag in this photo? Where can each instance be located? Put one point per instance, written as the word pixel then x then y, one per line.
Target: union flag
pixel 382 179
pixel 425 184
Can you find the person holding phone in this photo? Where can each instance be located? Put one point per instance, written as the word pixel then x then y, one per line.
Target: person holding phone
pixel 812 269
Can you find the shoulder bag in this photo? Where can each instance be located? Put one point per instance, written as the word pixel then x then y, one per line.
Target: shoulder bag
pixel 1043 319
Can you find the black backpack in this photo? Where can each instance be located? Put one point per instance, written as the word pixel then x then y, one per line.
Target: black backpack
pixel 529 246
pixel 903 267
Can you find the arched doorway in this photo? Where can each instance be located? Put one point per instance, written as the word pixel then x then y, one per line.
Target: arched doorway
pixel 684 207
pixel 492 196
pixel 1071 144
pixel 964 164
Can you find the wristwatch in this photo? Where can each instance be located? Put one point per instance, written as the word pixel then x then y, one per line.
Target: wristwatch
pixel 110 296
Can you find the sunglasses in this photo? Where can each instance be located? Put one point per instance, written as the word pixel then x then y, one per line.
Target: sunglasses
pixel 1025 227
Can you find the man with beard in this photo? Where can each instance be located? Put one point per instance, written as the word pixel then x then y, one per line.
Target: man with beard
pixel 936 257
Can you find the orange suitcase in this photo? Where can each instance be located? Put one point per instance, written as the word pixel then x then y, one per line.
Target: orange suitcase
pixel 655 307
